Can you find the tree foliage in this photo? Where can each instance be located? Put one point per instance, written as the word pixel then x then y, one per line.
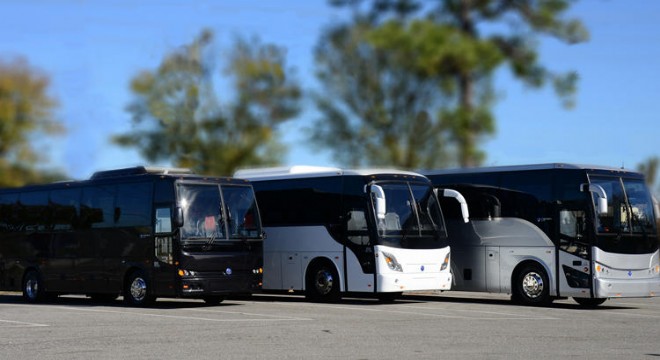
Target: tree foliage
pixel 650 170
pixel 374 110
pixel 26 112
pixel 458 45
pixel 177 114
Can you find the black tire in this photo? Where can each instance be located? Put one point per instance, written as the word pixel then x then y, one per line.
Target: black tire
pixel 589 302
pixel 137 290
pixel 322 283
pixel 213 300
pixel 531 286
pixel 33 287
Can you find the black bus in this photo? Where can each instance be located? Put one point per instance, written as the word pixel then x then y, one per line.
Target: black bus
pixel 138 232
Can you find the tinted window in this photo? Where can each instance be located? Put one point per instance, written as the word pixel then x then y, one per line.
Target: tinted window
pixel 134 204
pixel 164 191
pixel 97 207
pixel 33 210
pixel 65 208
pixel 300 201
pixel 8 207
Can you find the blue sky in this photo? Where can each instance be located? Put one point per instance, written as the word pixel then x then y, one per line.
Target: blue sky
pixel 91 50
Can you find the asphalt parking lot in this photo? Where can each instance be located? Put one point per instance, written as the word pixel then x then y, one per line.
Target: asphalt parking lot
pixel 447 326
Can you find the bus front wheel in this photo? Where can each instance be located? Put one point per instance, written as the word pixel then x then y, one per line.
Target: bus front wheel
pixel 531 286
pixel 322 283
pixel 137 291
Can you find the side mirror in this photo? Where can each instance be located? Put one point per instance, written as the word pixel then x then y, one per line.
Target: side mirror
pixel 379 200
pixel 178 217
pixel 461 200
pixel 601 203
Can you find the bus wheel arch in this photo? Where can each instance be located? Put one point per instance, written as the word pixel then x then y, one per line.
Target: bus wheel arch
pixel 137 288
pixel 530 284
pixel 322 283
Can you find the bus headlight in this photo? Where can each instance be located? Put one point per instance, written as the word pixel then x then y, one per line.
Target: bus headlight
pixel 183 273
pixel 391 262
pixel 445 263
pixel 602 269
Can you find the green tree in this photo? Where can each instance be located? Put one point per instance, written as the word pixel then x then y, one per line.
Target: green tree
pixel 26 112
pixel 178 117
pixel 650 170
pixel 373 110
pixel 460 44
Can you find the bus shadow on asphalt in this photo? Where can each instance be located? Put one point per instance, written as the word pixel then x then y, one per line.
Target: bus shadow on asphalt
pixel 84 301
pixel 557 304
pixel 567 304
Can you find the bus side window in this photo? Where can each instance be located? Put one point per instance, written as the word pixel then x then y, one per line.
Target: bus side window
pixel 356 227
pixel 163 220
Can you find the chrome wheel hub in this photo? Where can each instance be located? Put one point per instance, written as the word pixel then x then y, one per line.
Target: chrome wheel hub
pixel 323 282
pixel 32 288
pixel 532 285
pixel 138 289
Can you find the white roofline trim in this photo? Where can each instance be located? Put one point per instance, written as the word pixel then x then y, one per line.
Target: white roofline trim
pixel 523 168
pixel 303 171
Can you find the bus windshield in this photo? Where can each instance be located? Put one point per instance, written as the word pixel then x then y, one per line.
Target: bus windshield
pixel 206 219
pixel 629 225
pixel 413 218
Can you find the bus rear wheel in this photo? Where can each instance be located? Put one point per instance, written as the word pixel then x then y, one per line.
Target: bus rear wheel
pixel 322 283
pixel 137 290
pixel 531 286
pixel 589 302
pixel 33 287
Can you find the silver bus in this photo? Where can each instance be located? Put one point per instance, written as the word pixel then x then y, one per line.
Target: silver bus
pixel 541 232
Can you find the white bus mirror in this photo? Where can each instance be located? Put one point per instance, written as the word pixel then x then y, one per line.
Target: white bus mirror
pixel 461 200
pixel 379 201
pixel 601 204
pixel 656 207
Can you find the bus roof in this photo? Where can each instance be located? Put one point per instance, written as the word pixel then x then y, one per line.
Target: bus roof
pixel 548 166
pixel 303 171
pixel 140 170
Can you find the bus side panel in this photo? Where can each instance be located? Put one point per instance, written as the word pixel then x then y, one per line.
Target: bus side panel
pixel 289 249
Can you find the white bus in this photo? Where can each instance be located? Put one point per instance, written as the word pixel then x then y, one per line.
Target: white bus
pixel 331 231
pixel 547 231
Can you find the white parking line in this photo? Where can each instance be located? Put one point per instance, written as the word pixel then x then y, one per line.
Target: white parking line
pixel 249 314
pixel 15 324
pixel 265 317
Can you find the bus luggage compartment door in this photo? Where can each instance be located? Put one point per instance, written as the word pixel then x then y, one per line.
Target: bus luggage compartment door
pixel 291 271
pixel 493 269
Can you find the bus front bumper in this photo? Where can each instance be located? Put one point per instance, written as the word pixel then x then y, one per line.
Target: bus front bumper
pixel 398 282
pixel 622 288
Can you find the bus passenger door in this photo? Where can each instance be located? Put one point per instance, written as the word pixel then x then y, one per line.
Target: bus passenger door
pixel 359 255
pixel 493 269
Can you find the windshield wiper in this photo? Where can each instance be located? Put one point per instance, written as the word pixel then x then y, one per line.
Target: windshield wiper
pixel 209 242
